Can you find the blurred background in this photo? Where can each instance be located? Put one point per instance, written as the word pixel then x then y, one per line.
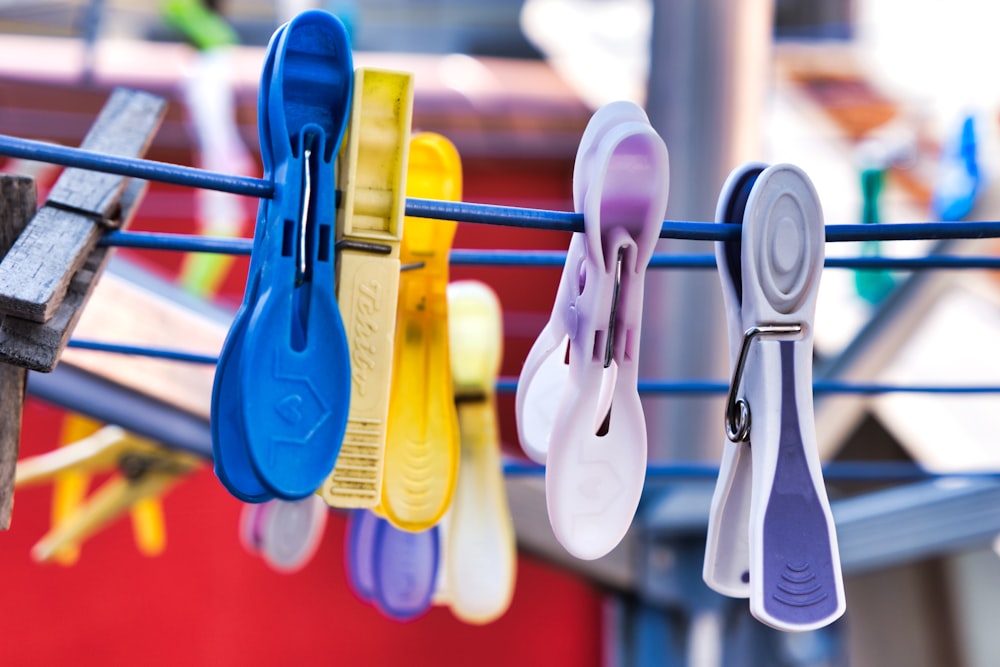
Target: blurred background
pixel 890 108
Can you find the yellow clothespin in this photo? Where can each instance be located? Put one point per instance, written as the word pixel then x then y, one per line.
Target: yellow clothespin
pixel 480 550
pixel 421 457
pixel 146 472
pixel 372 178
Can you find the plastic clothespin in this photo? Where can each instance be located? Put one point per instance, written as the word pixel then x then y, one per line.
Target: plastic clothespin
pixel 480 550
pixel 286 534
pixel 69 491
pixel 282 386
pixel 422 447
pixel 771 536
pixel 145 470
pixel 957 185
pixel 369 229
pixel 578 411
pixel 393 569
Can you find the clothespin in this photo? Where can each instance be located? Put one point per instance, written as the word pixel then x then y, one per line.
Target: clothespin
pixel 69 491
pixel 369 228
pixel 393 569
pixel 19 199
pixel 771 536
pixel 49 273
pixel 578 410
pixel 957 185
pixel 422 447
pixel 282 386
pixel 145 470
pixel 286 534
pixel 480 549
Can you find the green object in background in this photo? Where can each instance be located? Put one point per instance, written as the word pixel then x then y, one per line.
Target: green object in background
pixel 199 24
pixel 873 285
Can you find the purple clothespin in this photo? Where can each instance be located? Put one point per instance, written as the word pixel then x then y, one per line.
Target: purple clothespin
pixel 771 536
pixel 578 409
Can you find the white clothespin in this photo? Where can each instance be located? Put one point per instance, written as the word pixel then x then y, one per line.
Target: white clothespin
pixel 578 410
pixel 771 536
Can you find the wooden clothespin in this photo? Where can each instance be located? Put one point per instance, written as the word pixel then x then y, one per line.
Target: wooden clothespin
pixel 49 272
pixel 17 206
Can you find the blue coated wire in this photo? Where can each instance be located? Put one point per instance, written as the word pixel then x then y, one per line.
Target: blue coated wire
pixel 125 166
pixel 846 471
pixel 508 385
pixel 467 212
pixel 144 351
pixel 538 258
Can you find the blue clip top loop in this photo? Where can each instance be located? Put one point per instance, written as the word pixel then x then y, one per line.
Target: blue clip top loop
pixel 295 376
pixel 283 384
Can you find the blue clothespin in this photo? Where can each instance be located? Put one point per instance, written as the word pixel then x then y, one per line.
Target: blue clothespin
pixel 958 182
pixel 282 386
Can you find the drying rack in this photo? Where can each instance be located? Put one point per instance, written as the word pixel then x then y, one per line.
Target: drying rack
pixel 914 518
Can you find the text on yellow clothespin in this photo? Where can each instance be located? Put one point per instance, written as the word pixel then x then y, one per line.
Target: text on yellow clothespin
pixel 372 178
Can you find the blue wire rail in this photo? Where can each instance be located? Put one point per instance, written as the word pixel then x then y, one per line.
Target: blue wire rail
pixel 553 221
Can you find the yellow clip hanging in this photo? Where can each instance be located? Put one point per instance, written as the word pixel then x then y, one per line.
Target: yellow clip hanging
pixel 372 178
pixel 480 549
pixel 146 472
pixel 421 457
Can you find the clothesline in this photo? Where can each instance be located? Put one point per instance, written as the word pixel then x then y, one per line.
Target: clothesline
pixel 463 211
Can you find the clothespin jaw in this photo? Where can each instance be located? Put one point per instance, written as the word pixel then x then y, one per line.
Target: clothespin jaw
pixel 422 448
pixel 292 365
pixel 793 576
pixel 369 229
pixel 585 419
pixel 145 470
pixel 727 550
pixel 480 555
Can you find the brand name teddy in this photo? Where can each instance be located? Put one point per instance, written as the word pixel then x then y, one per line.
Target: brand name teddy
pixel 366 309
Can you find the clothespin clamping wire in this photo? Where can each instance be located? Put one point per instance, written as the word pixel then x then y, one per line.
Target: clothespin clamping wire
pixel 771 536
pixel 422 448
pixel 479 558
pixel 282 385
pixel 578 410
pixel 372 179
pixel 144 470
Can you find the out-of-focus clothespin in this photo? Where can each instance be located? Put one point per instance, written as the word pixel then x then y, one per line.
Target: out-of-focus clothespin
pixel 145 470
pixel 286 534
pixel 480 552
pixel 771 535
pixel 422 448
pixel 578 409
pixel 282 385
pixel 395 570
pixel 372 179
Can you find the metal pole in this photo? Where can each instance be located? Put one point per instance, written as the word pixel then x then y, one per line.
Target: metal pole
pixel 708 75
